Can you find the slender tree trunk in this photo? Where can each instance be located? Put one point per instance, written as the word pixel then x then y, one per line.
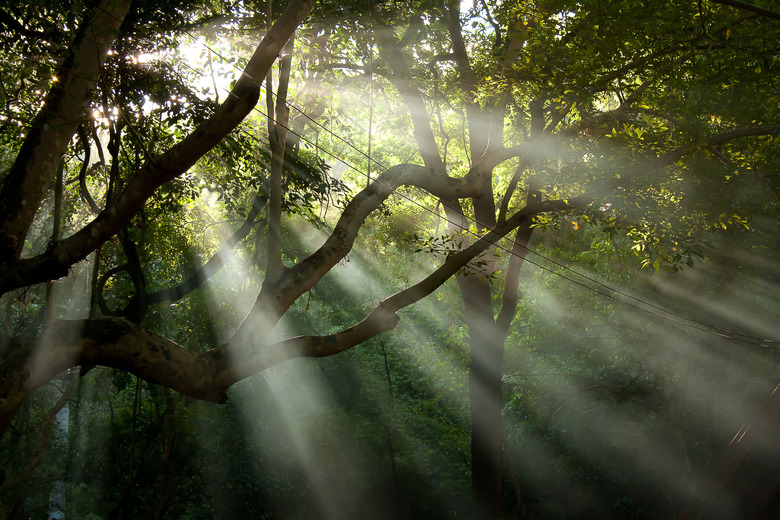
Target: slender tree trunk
pixel 487 337
pixel 487 353
pixel 278 121
pixel 51 302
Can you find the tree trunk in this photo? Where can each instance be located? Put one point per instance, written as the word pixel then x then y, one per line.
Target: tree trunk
pixel 487 337
pixel 487 353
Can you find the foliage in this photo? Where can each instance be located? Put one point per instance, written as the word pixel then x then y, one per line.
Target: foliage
pixel 619 139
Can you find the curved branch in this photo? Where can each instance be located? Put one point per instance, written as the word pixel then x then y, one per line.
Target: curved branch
pixel 484 132
pixel 101 286
pixel 678 153
pixel 136 307
pixel 277 295
pixel 421 119
pixel 214 264
pixel 52 129
pixel 83 190
pixel 749 7
pixel 495 157
pixel 112 342
pixel 383 317
pixel 511 286
pixel 241 100
pixel 206 375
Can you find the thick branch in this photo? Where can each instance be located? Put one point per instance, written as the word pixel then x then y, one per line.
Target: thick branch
pixel 715 140
pixel 207 375
pixel 83 189
pixel 54 126
pixel 276 297
pixel 749 7
pixel 110 342
pixel 278 141
pixel 241 100
pixel 511 285
pixel 382 318
pixel 486 123
pixel 421 119
pixel 495 157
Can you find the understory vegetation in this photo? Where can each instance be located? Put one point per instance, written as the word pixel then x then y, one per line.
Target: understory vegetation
pixel 389 259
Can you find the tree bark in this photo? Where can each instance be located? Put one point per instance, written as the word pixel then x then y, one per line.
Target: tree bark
pixel 52 129
pixel 56 261
pixel 278 122
pixel 208 374
pixel 487 354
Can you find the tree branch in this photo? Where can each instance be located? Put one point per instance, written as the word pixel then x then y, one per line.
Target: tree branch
pixel 421 119
pixel 511 285
pixel 673 156
pixel 278 141
pixel 52 129
pixel 748 7
pixel 207 375
pixel 214 264
pixel 277 296
pixel 55 262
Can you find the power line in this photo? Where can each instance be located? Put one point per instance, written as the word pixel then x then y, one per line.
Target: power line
pixel 670 315
pixel 641 305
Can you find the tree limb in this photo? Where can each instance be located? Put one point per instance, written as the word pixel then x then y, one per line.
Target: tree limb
pixel 83 189
pixel 278 139
pixel 55 262
pixel 205 375
pixel 277 296
pixel 214 264
pixel 676 154
pixel 52 129
pixel 748 7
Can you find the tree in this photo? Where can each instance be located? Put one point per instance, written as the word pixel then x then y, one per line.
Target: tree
pixel 565 77
pixel 602 113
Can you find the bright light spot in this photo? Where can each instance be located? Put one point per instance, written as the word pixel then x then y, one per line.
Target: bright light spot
pixel 98 116
pixel 149 106
pixel 195 55
pixel 148 57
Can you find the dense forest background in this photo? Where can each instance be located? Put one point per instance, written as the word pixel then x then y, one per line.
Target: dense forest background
pixel 389 259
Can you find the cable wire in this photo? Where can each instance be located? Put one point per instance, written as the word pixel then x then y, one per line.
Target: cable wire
pixel 641 305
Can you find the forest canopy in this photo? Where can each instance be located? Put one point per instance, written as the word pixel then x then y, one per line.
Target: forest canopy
pixel 466 236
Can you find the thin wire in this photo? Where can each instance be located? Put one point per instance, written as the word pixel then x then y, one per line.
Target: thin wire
pixel 670 315
pixel 667 314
